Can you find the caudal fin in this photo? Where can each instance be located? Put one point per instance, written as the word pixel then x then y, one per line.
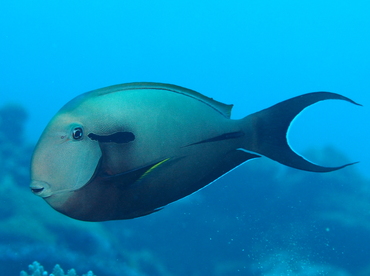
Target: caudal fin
pixel 268 134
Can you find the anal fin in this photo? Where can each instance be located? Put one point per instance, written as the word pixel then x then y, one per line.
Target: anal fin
pixel 230 161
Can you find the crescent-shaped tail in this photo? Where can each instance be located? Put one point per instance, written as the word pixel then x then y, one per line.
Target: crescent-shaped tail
pixel 267 131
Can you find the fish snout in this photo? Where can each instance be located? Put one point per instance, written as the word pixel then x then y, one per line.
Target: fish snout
pixel 40 188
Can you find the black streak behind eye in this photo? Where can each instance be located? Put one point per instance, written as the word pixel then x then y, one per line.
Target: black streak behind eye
pixel 118 137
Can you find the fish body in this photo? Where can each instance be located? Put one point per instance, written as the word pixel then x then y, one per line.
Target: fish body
pixel 128 150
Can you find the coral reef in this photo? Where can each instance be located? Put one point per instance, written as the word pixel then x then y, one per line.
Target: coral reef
pixel 15 152
pixel 36 269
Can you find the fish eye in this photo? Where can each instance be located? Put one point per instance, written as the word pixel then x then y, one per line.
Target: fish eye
pixel 77 133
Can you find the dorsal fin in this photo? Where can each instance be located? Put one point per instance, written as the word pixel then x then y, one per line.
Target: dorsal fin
pixel 224 109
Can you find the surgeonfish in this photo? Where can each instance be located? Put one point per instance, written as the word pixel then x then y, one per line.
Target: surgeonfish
pixel 127 150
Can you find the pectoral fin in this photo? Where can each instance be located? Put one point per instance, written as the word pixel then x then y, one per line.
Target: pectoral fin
pixel 130 177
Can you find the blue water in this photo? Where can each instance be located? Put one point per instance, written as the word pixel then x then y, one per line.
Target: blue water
pixel 249 53
pixel 252 54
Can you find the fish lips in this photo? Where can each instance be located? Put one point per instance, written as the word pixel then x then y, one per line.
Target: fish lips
pixel 56 199
pixel 40 188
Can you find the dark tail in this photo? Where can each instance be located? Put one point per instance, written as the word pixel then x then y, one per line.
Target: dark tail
pixel 269 127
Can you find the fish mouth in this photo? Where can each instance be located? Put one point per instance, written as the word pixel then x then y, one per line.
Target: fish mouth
pixel 39 188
